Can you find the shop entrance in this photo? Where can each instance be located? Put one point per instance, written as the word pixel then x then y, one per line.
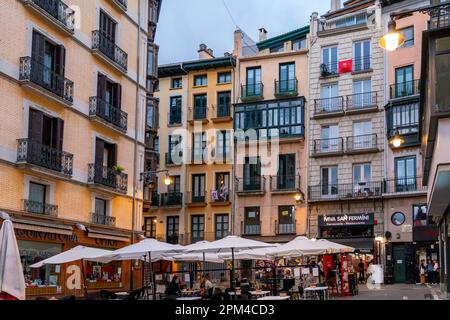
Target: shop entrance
pixel 399 261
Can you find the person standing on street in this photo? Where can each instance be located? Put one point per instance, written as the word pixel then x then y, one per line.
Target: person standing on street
pixel 436 271
pixel 422 272
pixel 430 271
pixel 362 276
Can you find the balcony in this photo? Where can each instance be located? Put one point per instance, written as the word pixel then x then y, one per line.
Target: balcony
pixel 107 179
pixel 362 64
pixel 328 147
pixel 403 186
pixel 250 229
pixel 55 12
pixel 174 117
pixel 120 4
pixel 285 228
pixel 220 197
pixel 35 207
pixel 342 25
pixel 252 186
pixel 286 88
pixel 151 200
pixel 403 118
pixel 45 81
pixel 349 191
pixel 285 184
pixel 198 114
pixel 439 17
pixel 107 50
pixel 103 220
pixel 40 156
pixel 362 103
pixel 174 159
pixel 362 144
pixel 221 113
pixel 108 115
pixel 328 107
pixel 172 199
pixel 196 199
pixel 172 238
pixel 329 69
pixel 253 92
pixel 198 156
pixel 405 89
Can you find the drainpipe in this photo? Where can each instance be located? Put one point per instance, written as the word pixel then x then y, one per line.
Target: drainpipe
pixel 233 174
pixel 183 210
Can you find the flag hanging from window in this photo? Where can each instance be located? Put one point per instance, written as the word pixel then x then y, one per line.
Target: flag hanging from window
pixel 345 66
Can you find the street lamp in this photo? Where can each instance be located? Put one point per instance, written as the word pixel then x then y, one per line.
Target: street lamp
pixel 299 197
pixel 167 181
pixel 397 140
pixel 393 39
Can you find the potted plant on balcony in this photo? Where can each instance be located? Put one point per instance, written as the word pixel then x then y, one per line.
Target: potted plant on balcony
pixel 118 169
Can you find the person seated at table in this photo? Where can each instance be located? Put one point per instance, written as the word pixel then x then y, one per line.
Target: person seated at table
pixel 173 290
pixel 207 286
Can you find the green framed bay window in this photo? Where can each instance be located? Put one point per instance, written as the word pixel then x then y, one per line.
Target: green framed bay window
pixel 278 119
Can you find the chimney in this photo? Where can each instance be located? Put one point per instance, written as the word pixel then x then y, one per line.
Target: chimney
pixel 262 34
pixel 227 55
pixel 205 53
pixel 335 5
pixel 314 24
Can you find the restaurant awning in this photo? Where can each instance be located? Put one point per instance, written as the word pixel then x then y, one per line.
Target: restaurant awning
pixel 108 234
pixel 33 225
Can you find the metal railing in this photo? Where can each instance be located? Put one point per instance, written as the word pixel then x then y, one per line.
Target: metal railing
pixel 100 108
pixel 412 128
pixel 222 110
pixel 363 142
pixel 439 17
pixel 252 184
pixel 37 207
pixel 362 63
pixel 32 152
pixel 345 191
pixel 401 185
pixel 284 183
pixel 354 20
pixel 172 238
pixel 102 219
pixel 106 46
pixel 198 113
pixel 328 105
pixel 58 10
pixel 285 228
pixel 329 69
pixel 286 87
pixel 405 89
pixel 220 196
pixel 361 100
pixel 171 199
pixel 99 174
pixel 252 91
pixel 324 146
pixel 248 229
pixel 45 77
pixel 195 197
pixel 174 116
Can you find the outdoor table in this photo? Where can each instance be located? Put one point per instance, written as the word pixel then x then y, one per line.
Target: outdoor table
pixel 189 298
pixel 234 294
pixel 260 293
pixel 312 292
pixel 274 298
pixel 122 295
pixel 185 292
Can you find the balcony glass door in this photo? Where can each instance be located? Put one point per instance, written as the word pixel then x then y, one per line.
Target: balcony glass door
pixel 286 220
pixel 286 172
pixel 252 174
pixel 330 138
pixel 287 77
pixel 37 195
pixel 361 53
pixel 362 132
pixel 197 228
pixel 362 175
pixel 198 188
pixel 330 60
pixel 253 82
pixel 405 174
pixel 329 182
pixel 175 110
pixel 222 191
pixel 404 81
pixel 329 95
pixel 173 229
pixel 199 146
pixel 362 93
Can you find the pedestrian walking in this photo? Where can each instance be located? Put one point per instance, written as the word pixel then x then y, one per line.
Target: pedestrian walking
pixel 436 271
pixel 422 272
pixel 430 271
pixel 362 276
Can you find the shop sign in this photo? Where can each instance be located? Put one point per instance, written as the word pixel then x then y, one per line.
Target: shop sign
pixel 107 243
pixel 73 281
pixel 45 236
pixel 347 220
pixel 407 228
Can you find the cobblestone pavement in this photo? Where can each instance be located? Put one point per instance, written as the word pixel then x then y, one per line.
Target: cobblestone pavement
pixel 397 292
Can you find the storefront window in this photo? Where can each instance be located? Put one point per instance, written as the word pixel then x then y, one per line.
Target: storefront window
pixel 33 252
pixel 104 273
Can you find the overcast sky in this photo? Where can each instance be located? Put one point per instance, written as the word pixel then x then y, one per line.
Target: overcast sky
pixel 184 24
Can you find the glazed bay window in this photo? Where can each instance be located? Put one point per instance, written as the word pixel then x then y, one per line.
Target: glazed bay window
pixel 224 77
pixel 199 147
pixel 221 226
pixel 361 55
pixel 442 61
pixel 404 118
pixel 252 222
pixel 175 110
pixel 176 83
pixel 329 64
pixel 201 80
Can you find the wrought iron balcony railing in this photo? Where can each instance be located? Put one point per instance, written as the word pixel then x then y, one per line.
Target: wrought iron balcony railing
pixel 111 114
pixel 250 185
pixel 220 196
pixel 362 64
pixel 250 229
pixel 102 219
pixel 198 113
pixel 439 16
pixel 222 111
pixel 107 47
pixel 327 192
pixel 36 72
pixel 361 101
pixel 36 207
pixel 252 92
pixel 327 146
pixel 35 153
pixel 196 197
pixel 57 10
pixel 361 143
pixel 172 238
pixel 101 175
pixel 171 199
pixel 329 69
pixel 285 228
pixel 286 87
pixel 328 105
pixel 280 183
pixel 405 89
pixel 403 185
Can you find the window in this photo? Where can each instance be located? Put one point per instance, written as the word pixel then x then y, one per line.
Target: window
pixel 46 131
pixel 361 55
pixel 286 172
pixel 222 190
pixel 200 105
pixel 329 181
pixel 221 223
pixel 199 147
pixel 286 224
pixel 287 81
pixel 105 154
pixel 404 82
pixel 405 174
pixel 175 154
pixel 201 80
pixel 224 77
pixel 109 100
pixel 107 27
pixel 405 118
pixel 37 198
pixel 357 19
pixel 329 61
pixel 442 67
pixel 299 44
pixel 150 227
pixel 329 94
pixel 330 139
pixel 172 230
pixel 398 219
pixel 408 33
pixel 175 110
pixel 421 217
pixel 253 87
pixel 223 147
pixel 177 83
pixel 150 116
pixel 100 207
pixel 362 175
pixel 223 104
pixel 197 228
pixel 278 48
pixel 198 188
pixel 175 186
pixel 362 94
pixel 362 135
pixel 252 222
pixel 252 174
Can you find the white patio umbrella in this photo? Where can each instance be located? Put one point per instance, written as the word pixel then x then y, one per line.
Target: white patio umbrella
pixel 333 247
pixel 300 246
pixel 252 254
pixel 230 244
pixel 81 253
pixel 12 281
pixel 198 257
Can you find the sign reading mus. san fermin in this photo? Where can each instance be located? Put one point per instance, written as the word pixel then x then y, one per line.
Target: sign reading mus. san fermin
pixel 347 220
pixel 45 236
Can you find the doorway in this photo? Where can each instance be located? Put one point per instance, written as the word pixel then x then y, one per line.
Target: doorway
pixel 399 259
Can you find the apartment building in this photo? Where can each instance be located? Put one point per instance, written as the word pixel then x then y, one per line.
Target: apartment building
pixel 409 235
pixel 71 129
pixel 195 141
pixel 270 142
pixel 346 127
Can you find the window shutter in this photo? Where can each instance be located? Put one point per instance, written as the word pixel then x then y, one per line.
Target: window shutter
pixel 118 95
pixel 60 60
pixel 58 133
pixel 112 161
pixel 38 47
pixel 35 125
pixel 99 147
pixel 101 87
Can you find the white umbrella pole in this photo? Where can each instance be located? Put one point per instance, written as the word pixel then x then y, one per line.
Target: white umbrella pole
pixel 204 264
pixel 152 275
pixel 232 269
pixel 84 278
